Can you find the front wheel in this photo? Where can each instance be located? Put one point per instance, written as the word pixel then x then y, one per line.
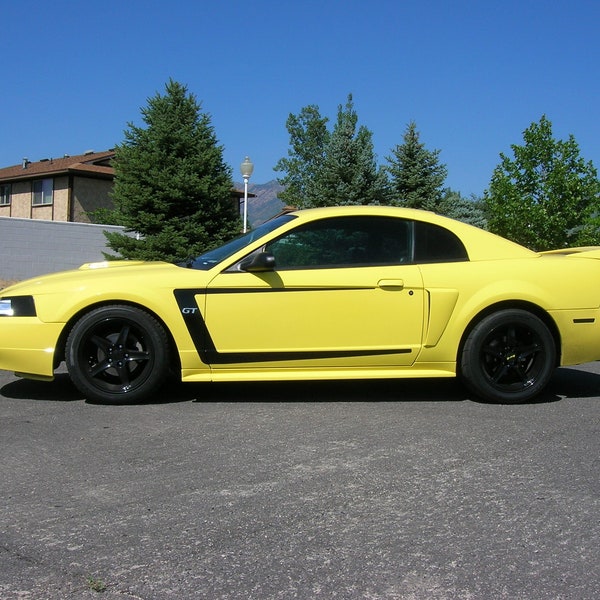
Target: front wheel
pixel 508 357
pixel 117 354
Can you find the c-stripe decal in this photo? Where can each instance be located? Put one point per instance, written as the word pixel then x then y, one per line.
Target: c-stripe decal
pixel 194 321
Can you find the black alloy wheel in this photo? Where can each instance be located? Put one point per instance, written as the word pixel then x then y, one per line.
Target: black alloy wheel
pixel 117 354
pixel 508 357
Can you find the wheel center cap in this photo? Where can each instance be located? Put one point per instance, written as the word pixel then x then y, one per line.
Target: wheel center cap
pixel 117 353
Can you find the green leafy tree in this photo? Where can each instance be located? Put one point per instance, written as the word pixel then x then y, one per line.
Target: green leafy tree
pixel 326 168
pixel 172 186
pixel 547 196
pixel 416 175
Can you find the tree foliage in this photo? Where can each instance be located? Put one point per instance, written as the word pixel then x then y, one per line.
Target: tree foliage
pixel 467 210
pixel 330 168
pixel 309 138
pixel 172 186
pixel 546 196
pixel 416 175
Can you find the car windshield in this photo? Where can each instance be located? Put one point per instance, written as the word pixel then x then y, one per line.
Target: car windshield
pixel 214 257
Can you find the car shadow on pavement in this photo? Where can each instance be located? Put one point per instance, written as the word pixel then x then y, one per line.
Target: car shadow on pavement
pixel 59 390
pixel 566 383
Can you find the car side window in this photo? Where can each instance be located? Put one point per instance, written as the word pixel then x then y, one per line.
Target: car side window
pixel 436 244
pixel 344 242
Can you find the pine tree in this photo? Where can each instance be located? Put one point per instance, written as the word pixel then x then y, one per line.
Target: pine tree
pixel 308 143
pixel 172 186
pixel 468 210
pixel 416 175
pixel 349 174
pixel 326 168
pixel 547 196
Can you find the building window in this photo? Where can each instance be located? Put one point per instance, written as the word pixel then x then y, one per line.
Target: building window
pixel 42 191
pixel 4 194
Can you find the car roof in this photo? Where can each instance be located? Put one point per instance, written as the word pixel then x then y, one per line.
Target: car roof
pixel 480 244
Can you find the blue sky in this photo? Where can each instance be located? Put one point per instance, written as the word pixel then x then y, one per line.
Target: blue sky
pixel 473 75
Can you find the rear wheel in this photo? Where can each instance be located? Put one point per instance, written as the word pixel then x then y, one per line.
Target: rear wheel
pixel 508 357
pixel 117 354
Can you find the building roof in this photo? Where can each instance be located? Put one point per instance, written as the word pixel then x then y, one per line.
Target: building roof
pixel 92 164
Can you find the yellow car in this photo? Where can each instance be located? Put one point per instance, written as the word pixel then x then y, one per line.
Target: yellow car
pixel 334 293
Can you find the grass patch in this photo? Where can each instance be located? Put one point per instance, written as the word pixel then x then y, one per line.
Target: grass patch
pixel 96 585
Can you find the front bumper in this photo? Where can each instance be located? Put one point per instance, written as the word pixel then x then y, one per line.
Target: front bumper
pixel 27 345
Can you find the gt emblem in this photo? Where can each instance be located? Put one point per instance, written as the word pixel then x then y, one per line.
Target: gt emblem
pixel 189 311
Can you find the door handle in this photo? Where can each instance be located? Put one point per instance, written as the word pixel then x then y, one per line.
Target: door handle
pixel 391 284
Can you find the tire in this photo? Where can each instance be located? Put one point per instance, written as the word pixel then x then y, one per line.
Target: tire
pixel 117 354
pixel 508 357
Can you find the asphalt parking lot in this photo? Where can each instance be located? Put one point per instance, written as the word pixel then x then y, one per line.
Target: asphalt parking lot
pixel 368 490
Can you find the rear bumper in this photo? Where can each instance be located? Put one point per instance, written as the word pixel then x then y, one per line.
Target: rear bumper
pixel 580 335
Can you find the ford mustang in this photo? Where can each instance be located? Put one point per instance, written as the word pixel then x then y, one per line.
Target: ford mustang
pixel 333 293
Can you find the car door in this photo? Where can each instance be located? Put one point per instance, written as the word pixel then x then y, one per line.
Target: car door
pixel 342 294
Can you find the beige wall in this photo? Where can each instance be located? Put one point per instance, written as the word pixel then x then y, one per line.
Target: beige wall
pixel 20 205
pixel 87 195
pixel 60 200
pixel 90 195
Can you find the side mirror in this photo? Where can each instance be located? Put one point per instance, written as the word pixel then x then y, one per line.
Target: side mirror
pixel 256 263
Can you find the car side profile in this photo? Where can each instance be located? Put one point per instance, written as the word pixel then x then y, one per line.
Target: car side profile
pixel 355 292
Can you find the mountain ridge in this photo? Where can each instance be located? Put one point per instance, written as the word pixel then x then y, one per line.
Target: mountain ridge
pixel 266 204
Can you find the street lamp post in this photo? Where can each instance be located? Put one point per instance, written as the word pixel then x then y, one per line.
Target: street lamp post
pixel 246 168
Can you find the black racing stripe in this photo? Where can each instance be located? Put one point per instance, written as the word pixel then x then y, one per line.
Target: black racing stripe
pixel 205 346
pixel 250 290
pixel 227 358
pixel 192 317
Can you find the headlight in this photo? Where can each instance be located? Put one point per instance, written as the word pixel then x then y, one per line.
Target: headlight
pixel 17 306
pixel 6 308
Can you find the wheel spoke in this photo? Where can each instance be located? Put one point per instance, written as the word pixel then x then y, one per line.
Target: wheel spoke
pixel 101 342
pixel 137 356
pixel 499 373
pixel 522 374
pixel 493 352
pixel 123 373
pixel 123 335
pixel 526 352
pixel 100 367
pixel 511 336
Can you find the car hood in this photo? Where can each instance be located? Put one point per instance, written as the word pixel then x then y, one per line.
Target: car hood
pixel 121 273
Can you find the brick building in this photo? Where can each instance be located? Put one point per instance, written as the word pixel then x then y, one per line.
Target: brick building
pixel 62 189
pixel 57 189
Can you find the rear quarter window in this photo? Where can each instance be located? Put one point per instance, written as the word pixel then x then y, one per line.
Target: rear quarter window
pixel 437 244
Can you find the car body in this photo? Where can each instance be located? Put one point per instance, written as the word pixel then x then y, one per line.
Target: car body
pixel 352 292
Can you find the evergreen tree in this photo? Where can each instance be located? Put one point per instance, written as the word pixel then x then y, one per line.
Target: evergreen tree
pixel 416 175
pixel 172 186
pixel 326 168
pixel 547 196
pixel 308 143
pixel 349 174
pixel 467 210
